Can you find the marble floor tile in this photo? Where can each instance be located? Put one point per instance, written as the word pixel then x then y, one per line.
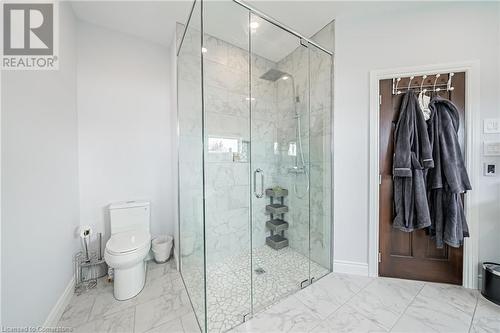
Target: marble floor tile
pixel 184 324
pixel 384 300
pixel 105 303
pixel 120 322
pixel 431 314
pixel 486 317
pixel 290 315
pixel 161 310
pixel 332 291
pixel 348 319
pixel 334 303
pixel 462 298
pixel 78 310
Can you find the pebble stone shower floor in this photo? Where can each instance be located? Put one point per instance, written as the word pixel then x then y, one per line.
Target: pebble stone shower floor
pixel 228 283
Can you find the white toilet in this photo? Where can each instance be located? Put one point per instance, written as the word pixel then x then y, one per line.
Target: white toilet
pixel 128 246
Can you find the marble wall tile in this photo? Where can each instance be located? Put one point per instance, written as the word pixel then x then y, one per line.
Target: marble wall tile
pixel 223 175
pixel 221 100
pixel 233 126
pixel 263 151
pixel 264 109
pixel 217 50
pixel 238 58
pixel 225 77
pixel 189 67
pixel 190 151
pixel 260 65
pixel 264 130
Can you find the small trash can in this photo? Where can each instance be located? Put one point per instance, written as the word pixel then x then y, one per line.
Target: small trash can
pixel 162 247
pixel 491 282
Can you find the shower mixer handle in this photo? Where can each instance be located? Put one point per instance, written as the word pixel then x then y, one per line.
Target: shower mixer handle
pixel 261 194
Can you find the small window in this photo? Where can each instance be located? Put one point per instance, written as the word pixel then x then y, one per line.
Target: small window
pixel 223 145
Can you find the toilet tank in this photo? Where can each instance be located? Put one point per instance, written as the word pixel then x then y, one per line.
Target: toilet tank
pixel 129 215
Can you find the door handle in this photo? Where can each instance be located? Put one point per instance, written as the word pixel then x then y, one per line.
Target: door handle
pixel 261 194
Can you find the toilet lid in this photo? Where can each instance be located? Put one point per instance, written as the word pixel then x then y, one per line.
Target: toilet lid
pixel 128 241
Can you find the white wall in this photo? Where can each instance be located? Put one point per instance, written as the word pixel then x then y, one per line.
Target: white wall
pixel 124 126
pixel 39 183
pixel 388 35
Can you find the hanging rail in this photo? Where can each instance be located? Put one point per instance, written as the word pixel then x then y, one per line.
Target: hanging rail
pixel 435 87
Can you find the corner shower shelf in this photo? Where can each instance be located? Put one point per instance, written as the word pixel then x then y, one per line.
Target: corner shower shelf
pixel 277 226
pixel 276 193
pixel 277 242
pixel 276 208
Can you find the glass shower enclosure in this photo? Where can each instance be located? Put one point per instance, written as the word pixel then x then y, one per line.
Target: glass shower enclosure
pixel 255 160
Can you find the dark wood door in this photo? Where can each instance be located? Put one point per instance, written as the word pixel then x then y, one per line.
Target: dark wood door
pixel 412 255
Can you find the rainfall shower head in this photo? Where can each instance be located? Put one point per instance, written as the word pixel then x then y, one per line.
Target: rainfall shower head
pixel 274 75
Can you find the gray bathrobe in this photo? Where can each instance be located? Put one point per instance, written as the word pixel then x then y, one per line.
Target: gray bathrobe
pixel 412 155
pixel 449 178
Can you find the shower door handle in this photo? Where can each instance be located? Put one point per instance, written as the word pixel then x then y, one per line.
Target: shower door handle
pixel 261 194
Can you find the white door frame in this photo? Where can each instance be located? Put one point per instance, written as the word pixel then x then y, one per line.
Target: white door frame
pixel 472 159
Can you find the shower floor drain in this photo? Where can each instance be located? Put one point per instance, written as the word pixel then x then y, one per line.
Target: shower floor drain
pixel 260 270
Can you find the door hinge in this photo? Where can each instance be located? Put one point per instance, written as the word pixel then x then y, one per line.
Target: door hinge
pixel 379 99
pixel 379 257
pixel 380 179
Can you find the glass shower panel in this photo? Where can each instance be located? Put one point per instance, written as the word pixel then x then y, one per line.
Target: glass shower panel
pixel 227 163
pixel 279 162
pixel 190 150
pixel 320 137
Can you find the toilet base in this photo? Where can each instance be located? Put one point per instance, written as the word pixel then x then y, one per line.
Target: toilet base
pixel 129 282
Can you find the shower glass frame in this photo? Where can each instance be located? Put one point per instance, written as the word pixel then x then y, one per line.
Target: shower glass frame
pixel 197 16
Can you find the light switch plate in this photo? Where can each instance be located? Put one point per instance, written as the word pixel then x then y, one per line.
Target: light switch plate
pixel 491 125
pixel 490 169
pixel 491 148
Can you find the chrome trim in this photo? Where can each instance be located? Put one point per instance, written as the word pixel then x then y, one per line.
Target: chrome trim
pixel 280 25
pixel 185 29
pixel 261 194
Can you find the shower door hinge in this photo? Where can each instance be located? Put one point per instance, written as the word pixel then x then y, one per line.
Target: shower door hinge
pixel 304 283
pixel 246 317
pixel 304 42
pixel 379 257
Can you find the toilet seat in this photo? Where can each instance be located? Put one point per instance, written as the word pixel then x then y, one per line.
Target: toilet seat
pixel 129 241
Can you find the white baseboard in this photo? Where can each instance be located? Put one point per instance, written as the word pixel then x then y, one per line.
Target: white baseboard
pixel 350 267
pixel 63 301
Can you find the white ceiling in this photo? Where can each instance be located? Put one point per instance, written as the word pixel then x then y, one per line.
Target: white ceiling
pixel 155 21
pixel 150 20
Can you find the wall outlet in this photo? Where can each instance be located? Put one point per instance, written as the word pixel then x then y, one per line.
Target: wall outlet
pixel 490 169
pixel 491 126
pixel 491 148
